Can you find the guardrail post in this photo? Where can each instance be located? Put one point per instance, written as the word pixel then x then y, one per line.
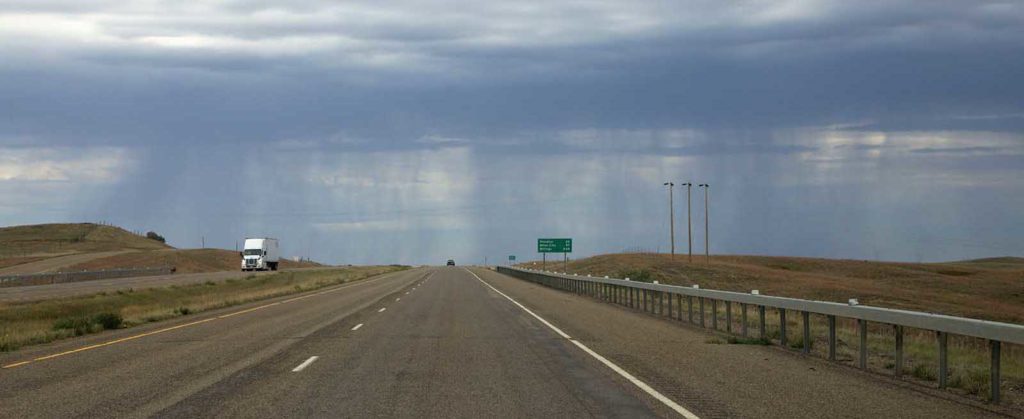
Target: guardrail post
pixel 645 300
pixel 943 358
pixel 863 332
pixel 994 396
pixel 807 332
pixel 714 314
pixel 783 339
pixel 670 305
pixel 679 305
pixel 743 318
pixel 728 316
pixel 764 324
pixel 689 308
pixel 897 369
pixel 831 338
pixel 701 301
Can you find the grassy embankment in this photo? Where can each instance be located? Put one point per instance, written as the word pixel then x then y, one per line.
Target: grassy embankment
pixel 28 323
pixel 22 245
pixel 990 289
pixel 57 239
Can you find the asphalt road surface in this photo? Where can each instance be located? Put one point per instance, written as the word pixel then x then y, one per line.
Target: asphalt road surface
pixel 437 342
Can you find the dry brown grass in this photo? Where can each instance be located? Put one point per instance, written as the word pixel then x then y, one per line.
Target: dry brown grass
pixel 53 239
pixel 185 260
pixel 991 289
pixel 35 322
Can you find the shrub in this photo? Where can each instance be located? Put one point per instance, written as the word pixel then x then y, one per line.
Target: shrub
pixel 735 340
pixel 108 321
pixel 923 372
pixel 642 275
pixel 77 325
pixel 184 311
pixel 153 236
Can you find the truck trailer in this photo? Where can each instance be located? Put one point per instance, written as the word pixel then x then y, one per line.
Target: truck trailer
pixel 260 255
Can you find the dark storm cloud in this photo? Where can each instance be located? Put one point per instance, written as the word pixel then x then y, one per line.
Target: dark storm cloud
pixel 315 116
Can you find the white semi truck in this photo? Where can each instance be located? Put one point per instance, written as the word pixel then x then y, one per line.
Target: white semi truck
pixel 260 255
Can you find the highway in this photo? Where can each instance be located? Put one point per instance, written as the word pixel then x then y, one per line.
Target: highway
pixel 438 342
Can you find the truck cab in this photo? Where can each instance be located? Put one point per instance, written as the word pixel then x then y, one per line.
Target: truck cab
pixel 260 255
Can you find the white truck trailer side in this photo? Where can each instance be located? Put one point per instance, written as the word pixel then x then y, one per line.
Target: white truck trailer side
pixel 260 255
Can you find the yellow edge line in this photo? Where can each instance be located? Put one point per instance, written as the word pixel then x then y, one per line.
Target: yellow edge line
pixel 141 335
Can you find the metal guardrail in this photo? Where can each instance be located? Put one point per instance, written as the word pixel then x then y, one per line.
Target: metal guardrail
pixel 637 295
pixel 62 277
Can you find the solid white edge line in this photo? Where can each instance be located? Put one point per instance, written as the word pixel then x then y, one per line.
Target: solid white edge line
pixel 305 364
pixel 357 327
pixel 382 309
pixel 636 381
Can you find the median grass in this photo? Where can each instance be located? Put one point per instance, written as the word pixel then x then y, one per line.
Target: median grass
pixel 29 323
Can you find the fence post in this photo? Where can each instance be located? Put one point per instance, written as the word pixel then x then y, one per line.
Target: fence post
pixel 728 316
pixel 783 339
pixel 897 369
pixel 863 326
pixel 679 306
pixel 701 301
pixel 764 324
pixel 943 358
pixel 807 332
pixel 994 370
pixel 714 314
pixel 689 308
pixel 743 318
pixel 831 338
pixel 670 305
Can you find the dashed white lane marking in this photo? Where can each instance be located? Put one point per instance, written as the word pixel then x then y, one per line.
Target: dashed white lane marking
pixel 305 364
pixel 625 374
pixel 357 327
pixel 382 309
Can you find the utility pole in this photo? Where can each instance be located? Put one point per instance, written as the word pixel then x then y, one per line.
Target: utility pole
pixel 707 236
pixel 689 225
pixel 671 218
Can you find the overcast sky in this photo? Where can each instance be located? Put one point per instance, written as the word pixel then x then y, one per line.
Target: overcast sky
pixel 413 131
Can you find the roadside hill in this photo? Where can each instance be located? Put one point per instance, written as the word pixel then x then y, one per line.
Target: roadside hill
pixel 86 246
pixel 61 239
pixel 991 289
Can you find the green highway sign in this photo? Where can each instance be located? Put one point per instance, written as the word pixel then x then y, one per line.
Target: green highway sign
pixel 554 245
pixel 512 257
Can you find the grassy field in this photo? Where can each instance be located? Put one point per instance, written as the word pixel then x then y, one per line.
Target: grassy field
pixel 184 260
pixel 44 321
pixel 48 243
pixel 54 239
pixel 988 289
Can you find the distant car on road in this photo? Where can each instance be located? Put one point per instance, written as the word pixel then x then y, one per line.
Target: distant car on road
pixel 451 262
